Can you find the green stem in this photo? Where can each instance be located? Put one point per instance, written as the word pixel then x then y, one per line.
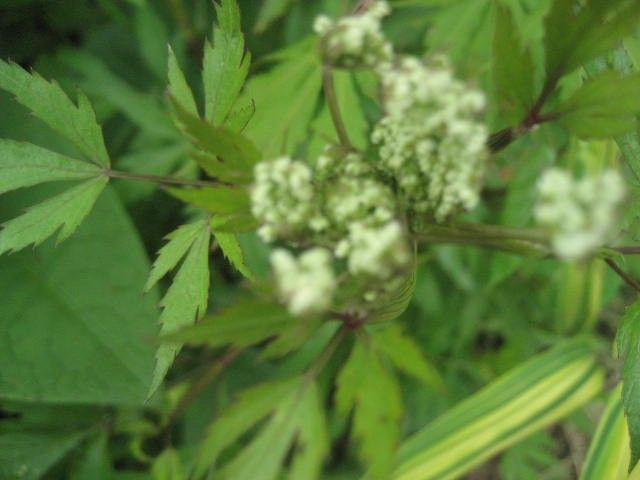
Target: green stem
pixel 334 108
pixel 159 179
pixel 527 242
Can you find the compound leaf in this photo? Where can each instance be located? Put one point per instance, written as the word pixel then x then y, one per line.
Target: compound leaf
pixel 62 213
pixel 262 459
pixel 186 298
pixel 50 104
pixel 366 386
pixel 247 409
pixel 24 165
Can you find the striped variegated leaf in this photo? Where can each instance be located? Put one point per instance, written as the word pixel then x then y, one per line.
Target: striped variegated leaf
pixel 609 454
pixel 524 400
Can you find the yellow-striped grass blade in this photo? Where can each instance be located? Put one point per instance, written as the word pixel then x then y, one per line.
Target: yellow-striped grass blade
pixel 522 401
pixel 609 454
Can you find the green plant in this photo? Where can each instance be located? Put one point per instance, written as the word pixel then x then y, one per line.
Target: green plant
pixel 396 292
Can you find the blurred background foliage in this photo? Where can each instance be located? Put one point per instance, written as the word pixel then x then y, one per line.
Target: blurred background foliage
pixel 476 313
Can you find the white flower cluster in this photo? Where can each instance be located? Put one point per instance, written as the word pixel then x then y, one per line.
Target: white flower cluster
pixel 431 142
pixel 282 198
pixel 342 205
pixel 579 213
pixel 305 284
pixel 355 41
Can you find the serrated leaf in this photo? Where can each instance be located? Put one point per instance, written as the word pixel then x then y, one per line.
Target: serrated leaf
pixel 50 104
pixel 627 341
pixel 180 240
pixel 232 251
pixel 240 325
pixel 24 165
pixel 99 81
pixel 222 153
pixel 513 69
pixel 216 200
pixel 178 86
pixel 248 408
pixel 406 356
pixel 299 72
pixel 576 35
pixel 62 213
pixel 367 387
pixel 225 64
pixel 262 459
pixel 185 300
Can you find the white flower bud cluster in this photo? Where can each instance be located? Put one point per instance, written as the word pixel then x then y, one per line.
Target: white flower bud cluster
pixel 342 205
pixel 305 284
pixel 430 141
pixel 355 41
pixel 282 198
pixel 579 213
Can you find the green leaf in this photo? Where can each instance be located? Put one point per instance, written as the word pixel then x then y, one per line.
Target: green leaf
pixel 225 65
pixel 524 400
pixel 100 82
pixel 62 213
pixel 180 241
pixel 50 104
pixel 232 251
pixel 77 329
pixel 367 387
pixel 217 200
pixel 151 36
pixel 221 152
pixel 262 459
pixel 607 94
pixel 513 69
pixel 299 72
pixel 178 86
pixel 168 466
pixel 406 356
pixel 186 298
pixel 627 340
pixel 24 165
pixel 608 456
pixel 245 411
pixel 34 443
pixel 270 11
pixel 312 442
pixel 575 36
pixel 231 207
pixel 241 325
